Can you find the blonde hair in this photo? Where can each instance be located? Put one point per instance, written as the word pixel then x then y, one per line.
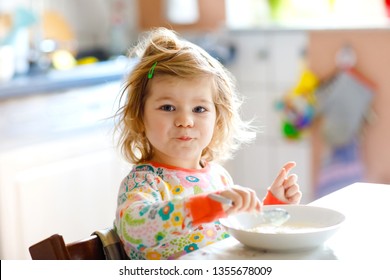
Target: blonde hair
pixel 179 58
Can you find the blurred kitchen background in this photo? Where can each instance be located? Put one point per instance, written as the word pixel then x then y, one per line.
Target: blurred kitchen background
pixel 315 76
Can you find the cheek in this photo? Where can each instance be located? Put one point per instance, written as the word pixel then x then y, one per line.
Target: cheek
pixel 213 128
pixel 208 128
pixel 149 120
pixel 156 127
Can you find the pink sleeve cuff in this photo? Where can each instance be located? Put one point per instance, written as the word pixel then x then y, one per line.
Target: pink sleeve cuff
pixel 204 209
pixel 270 199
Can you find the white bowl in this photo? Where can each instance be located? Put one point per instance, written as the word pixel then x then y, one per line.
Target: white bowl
pixel 307 228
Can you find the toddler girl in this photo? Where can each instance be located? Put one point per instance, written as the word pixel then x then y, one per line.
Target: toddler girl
pixel 179 118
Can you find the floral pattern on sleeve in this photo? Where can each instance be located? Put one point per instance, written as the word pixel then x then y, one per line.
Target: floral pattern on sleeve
pixel 152 220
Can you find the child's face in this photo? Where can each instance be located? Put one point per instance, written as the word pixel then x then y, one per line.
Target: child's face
pixel 179 119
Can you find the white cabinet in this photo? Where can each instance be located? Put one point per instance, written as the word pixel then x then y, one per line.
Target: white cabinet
pixel 67 187
pixel 267 65
pixel 64 184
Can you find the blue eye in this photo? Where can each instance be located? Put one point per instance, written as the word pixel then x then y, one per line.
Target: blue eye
pixel 199 109
pixel 168 108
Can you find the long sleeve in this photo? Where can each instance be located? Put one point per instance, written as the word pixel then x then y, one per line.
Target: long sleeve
pixel 147 213
pixel 161 215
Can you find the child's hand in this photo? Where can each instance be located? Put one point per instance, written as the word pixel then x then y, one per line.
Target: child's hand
pixel 285 188
pixel 244 200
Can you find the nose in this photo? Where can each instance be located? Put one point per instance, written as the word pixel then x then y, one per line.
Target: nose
pixel 184 119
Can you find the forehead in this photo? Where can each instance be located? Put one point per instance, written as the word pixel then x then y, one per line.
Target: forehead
pixel 177 87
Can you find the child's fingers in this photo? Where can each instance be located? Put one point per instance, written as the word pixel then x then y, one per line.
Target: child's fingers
pixel 296 198
pixel 280 178
pixel 253 203
pixel 291 190
pixel 293 194
pixel 258 205
pixel 236 201
pixel 243 199
pixel 248 197
pixel 289 165
pixel 291 180
pixel 236 198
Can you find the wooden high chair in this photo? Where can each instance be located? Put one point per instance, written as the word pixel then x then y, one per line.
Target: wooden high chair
pixel 101 245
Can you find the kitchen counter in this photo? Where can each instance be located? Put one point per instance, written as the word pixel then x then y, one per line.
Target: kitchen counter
pixel 54 81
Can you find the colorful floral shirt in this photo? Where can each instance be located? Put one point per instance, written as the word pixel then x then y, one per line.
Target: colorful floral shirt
pixel 164 212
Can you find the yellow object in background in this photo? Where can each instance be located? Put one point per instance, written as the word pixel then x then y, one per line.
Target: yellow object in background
pixel 87 60
pixel 297 106
pixel 307 84
pixel 63 60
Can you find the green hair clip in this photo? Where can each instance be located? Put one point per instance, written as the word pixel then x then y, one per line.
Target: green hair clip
pixel 151 71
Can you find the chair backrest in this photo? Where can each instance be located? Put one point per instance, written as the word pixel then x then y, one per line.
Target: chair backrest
pixel 54 248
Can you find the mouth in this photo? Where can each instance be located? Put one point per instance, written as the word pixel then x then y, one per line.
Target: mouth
pixel 184 138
